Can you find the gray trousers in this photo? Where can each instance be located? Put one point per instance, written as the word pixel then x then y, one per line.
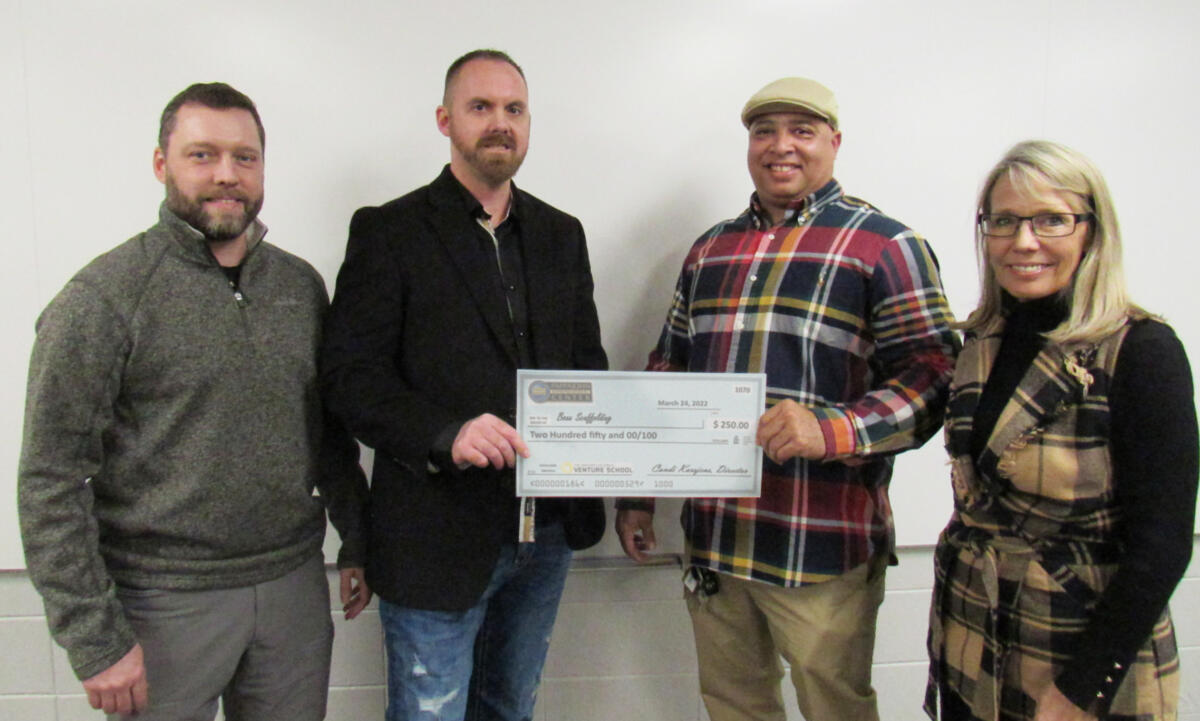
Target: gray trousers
pixel 263 650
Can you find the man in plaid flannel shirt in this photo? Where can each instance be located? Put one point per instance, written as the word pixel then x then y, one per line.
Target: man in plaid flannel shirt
pixel 842 308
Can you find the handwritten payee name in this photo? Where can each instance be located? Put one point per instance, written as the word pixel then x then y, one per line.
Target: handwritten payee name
pixel 588 418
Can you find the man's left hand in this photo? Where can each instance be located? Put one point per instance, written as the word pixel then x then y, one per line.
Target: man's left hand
pixel 789 430
pixel 354 591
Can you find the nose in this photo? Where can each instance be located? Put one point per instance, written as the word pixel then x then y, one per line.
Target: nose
pixel 776 142
pixel 1025 238
pixel 500 119
pixel 225 172
pixel 781 143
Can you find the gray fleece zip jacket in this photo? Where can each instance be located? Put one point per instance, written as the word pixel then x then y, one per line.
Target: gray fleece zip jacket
pixel 174 434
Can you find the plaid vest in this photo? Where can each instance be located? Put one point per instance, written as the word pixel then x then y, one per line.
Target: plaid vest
pixel 1031 545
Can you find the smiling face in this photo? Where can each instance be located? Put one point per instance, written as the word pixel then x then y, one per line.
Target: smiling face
pixel 1026 265
pixel 790 157
pixel 486 117
pixel 213 169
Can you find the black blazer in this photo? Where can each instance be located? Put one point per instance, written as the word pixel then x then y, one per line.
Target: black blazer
pixel 418 341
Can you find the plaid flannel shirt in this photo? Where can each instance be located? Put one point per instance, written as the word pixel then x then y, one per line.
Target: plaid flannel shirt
pixel 842 308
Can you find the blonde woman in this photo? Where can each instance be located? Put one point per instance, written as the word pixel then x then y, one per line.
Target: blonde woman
pixel 1072 432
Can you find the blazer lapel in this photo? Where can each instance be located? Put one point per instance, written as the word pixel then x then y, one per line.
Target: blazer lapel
pixel 542 280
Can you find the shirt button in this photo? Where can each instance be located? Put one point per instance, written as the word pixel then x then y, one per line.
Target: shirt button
pixel 770 236
pixel 520 334
pixel 741 324
pixel 753 278
pixel 512 287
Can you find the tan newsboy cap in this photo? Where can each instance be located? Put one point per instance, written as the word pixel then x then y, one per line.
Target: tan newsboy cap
pixel 792 94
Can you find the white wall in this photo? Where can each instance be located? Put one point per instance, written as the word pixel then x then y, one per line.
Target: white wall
pixel 635 130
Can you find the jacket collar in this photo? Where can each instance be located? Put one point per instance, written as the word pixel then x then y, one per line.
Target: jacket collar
pixel 447 193
pixel 193 243
pixel 1053 380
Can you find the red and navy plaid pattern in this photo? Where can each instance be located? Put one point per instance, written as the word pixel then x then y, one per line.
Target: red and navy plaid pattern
pixel 842 308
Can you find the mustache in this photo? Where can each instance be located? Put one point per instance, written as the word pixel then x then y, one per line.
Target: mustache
pixel 497 138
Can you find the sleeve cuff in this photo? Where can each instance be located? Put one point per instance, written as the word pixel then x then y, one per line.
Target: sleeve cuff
pixel 841 436
pixel 92 659
pixel 1092 688
pixel 636 504
pixel 440 453
pixel 351 555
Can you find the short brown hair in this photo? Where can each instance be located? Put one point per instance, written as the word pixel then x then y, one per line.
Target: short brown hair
pixel 218 96
pixel 483 54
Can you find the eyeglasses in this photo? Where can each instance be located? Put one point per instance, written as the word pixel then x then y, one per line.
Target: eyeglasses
pixel 1045 225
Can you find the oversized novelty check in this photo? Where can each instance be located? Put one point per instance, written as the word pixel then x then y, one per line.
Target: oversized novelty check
pixel 616 433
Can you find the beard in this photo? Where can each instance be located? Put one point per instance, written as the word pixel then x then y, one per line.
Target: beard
pixel 494 168
pixel 216 228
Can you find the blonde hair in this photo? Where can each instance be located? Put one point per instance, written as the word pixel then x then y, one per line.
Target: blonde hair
pixel 1097 301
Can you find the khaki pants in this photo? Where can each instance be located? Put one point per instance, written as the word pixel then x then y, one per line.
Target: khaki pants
pixel 825 631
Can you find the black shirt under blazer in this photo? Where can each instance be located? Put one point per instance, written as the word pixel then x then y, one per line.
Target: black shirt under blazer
pixel 419 341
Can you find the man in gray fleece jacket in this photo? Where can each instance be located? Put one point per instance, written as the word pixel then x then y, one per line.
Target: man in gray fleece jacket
pixel 174 437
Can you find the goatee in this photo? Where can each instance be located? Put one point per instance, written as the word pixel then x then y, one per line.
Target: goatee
pixel 216 228
pixel 494 168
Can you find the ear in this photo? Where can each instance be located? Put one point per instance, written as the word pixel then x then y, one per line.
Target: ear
pixel 160 165
pixel 837 140
pixel 443 120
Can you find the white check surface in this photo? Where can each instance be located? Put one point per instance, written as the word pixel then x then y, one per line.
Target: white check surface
pixel 625 433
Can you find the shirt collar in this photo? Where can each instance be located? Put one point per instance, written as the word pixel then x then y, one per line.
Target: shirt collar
pixel 475 208
pixel 798 210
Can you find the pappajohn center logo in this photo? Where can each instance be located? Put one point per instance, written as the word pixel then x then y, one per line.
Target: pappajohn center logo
pixel 560 392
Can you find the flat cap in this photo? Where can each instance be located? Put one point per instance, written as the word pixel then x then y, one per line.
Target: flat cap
pixel 792 95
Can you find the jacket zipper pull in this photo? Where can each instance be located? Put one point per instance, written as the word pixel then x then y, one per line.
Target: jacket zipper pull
pixel 238 298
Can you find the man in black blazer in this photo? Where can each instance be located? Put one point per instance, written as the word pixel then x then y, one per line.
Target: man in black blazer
pixel 443 294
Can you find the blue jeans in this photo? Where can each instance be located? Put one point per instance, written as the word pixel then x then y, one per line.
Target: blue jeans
pixel 486 662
